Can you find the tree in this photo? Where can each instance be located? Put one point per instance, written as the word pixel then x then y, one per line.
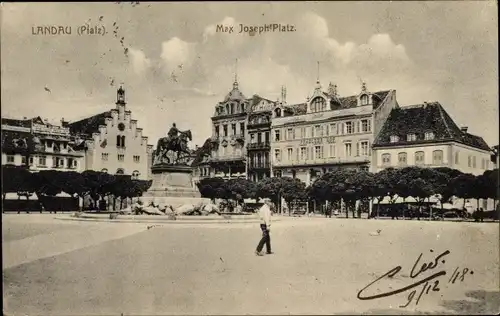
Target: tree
pixel 276 188
pixel 76 185
pixel 293 190
pixel 98 184
pixel 18 179
pixel 211 188
pixel 463 186
pixel 385 184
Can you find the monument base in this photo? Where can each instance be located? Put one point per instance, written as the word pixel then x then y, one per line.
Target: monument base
pixel 172 185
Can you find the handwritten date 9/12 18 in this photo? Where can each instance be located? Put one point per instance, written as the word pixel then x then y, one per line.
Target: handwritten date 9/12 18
pixel 429 283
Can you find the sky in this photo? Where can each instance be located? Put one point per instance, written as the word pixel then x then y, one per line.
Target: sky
pixel 177 67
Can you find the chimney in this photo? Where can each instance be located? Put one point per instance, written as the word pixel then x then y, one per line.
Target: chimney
pixel 464 129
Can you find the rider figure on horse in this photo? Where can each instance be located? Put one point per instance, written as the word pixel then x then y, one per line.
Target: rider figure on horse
pixel 173 133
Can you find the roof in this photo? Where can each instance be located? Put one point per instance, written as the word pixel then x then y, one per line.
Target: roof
pixel 14 142
pixel 22 123
pixel 352 101
pixel 235 94
pixel 202 152
pixel 89 125
pixel 421 118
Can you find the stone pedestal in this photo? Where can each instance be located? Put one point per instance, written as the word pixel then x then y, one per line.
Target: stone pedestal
pixel 172 185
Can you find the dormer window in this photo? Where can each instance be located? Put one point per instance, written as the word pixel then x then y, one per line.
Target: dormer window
pixel 429 135
pixel 318 105
pixel 364 99
pixel 411 137
pixel 278 112
pixel 394 138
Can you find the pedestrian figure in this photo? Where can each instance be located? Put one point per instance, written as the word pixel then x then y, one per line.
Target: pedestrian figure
pixel 265 226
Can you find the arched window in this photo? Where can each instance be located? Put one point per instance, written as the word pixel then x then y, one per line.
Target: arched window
pixel 104 170
pixel 227 108
pixel 318 105
pixel 135 175
pixel 120 171
pixel 364 99
pixel 437 157
pixel 242 108
pixel 402 159
pixel 232 108
pixel 123 141
pixel 386 159
pixel 278 112
pixel 419 158
pixel 118 141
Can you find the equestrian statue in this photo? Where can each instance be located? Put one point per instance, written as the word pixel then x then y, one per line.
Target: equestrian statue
pixel 176 142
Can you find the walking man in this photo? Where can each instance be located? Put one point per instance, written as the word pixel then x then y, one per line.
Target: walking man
pixel 265 226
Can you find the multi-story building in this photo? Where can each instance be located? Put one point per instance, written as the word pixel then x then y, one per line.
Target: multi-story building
pixel 259 137
pixel 425 135
pixel 39 145
pixel 113 142
pixel 327 132
pixel 228 158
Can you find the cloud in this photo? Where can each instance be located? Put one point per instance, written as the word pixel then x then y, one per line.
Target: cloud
pixel 139 61
pixel 177 52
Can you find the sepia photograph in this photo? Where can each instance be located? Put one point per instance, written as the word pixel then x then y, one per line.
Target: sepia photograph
pixel 250 158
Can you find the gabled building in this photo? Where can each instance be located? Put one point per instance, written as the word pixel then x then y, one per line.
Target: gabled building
pixel 228 157
pixel 425 135
pixel 327 132
pixel 39 145
pixel 113 142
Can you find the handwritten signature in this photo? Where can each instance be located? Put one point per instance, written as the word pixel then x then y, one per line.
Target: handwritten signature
pixel 417 269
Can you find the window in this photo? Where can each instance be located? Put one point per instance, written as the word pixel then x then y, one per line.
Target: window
pixel 318 132
pixel 242 127
pixel 232 108
pixel 437 157
pixel 429 135
pixel 348 149
pixel 303 153
pixel 318 152
pixel 469 161
pixel 278 112
pixel 118 141
pixel 31 161
pixel 224 127
pixel 137 158
pixel 302 132
pixel 318 104
pixel 120 171
pixel 365 150
pixel 365 126
pixel 217 131
pixel 121 157
pixel 341 129
pixel 135 175
pixel 123 141
pixel 42 161
pixel 419 158
pixel 457 158
pixel 252 138
pixel 473 161
pixel 348 128
pixel 23 160
pixel 386 159
pixel 290 134
pixel 364 99
pixel 277 155
pixel 289 154
pixel 394 139
pixel 233 129
pixel 104 156
pixel 357 149
pixel 267 137
pixel 332 150
pixel 333 129
pixel 259 160
pixel 10 159
pixel 402 159
pixel 277 135
pixel 411 137
pixel 482 164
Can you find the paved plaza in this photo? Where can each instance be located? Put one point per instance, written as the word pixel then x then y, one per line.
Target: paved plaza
pixel 54 267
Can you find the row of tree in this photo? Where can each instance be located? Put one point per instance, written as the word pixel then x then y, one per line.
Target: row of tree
pixel 94 184
pixel 350 186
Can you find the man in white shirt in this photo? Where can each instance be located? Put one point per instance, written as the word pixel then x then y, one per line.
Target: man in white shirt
pixel 265 226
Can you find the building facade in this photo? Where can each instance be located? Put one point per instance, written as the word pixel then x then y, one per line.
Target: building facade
pixel 228 156
pixel 113 142
pixel 327 132
pixel 38 145
pixel 259 137
pixel 425 135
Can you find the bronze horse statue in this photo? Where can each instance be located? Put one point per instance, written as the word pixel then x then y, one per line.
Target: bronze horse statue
pixel 178 145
